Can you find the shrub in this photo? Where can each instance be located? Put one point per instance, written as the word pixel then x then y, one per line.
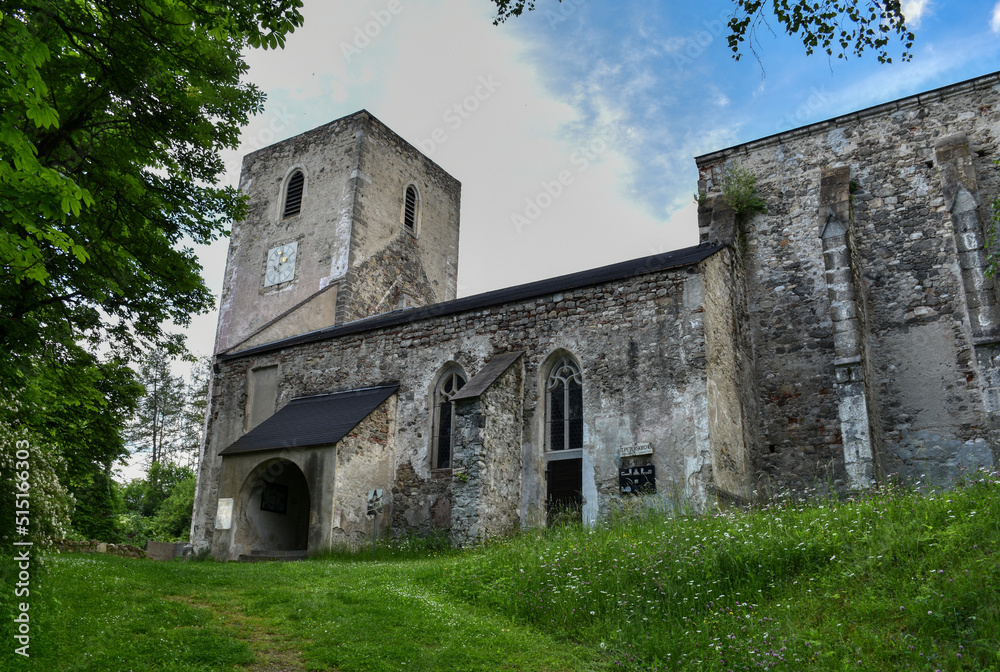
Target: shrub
pixel 172 521
pixel 51 504
pixel 739 188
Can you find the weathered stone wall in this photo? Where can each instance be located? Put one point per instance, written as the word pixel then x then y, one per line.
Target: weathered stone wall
pixel 364 463
pixel 487 460
pixel 390 279
pixel 421 505
pixel 389 263
pixel 349 233
pixel 640 343
pixel 328 156
pixel 94 546
pixel 920 340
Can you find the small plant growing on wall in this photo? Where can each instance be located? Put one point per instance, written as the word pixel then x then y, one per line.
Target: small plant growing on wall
pixel 739 188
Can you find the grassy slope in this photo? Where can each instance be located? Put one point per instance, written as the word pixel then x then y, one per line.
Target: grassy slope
pixel 886 582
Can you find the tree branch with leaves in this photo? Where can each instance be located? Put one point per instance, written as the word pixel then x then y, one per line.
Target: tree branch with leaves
pixel 834 27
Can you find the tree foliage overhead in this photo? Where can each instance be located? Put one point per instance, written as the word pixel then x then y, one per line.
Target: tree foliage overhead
pixel 835 27
pixel 113 114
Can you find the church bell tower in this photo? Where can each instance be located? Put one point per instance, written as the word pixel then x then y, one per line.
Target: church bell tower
pixel 345 221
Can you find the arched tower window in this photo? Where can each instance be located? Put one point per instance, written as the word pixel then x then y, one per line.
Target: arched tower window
pixel 564 405
pixel 448 385
pixel 293 195
pixel 411 205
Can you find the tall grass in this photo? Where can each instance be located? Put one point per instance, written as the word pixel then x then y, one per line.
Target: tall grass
pixel 889 579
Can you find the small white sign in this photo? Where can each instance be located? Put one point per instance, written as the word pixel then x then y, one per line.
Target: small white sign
pixel 637 449
pixel 224 516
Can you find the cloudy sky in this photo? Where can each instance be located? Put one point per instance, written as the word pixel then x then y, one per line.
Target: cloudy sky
pixel 621 94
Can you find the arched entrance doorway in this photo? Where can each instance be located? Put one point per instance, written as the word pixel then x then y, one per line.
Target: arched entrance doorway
pixel 274 509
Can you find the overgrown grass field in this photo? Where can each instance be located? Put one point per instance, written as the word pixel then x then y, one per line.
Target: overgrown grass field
pixel 887 580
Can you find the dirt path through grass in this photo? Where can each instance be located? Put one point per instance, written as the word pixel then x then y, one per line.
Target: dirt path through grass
pixel 274 651
pixel 114 614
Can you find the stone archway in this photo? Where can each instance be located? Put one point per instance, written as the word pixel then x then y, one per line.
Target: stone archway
pixel 273 509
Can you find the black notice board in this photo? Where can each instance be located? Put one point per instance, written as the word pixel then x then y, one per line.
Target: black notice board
pixel 274 498
pixel 637 480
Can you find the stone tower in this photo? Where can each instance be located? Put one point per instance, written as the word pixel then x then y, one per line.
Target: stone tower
pixel 344 222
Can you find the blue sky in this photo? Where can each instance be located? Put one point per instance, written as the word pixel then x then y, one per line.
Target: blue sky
pixel 617 96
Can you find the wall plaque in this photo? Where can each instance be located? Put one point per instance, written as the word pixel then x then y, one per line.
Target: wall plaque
pixel 224 516
pixel 637 480
pixel 636 449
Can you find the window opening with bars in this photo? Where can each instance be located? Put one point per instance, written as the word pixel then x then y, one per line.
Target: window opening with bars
pixel 293 194
pixel 410 208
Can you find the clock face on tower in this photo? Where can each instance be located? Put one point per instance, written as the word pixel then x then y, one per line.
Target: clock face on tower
pixel 280 264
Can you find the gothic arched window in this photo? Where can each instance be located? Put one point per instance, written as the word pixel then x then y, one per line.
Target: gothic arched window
pixel 411 205
pixel 444 417
pixel 564 405
pixel 293 194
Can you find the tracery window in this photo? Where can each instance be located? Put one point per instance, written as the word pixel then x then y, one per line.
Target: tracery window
pixel 449 384
pixel 564 405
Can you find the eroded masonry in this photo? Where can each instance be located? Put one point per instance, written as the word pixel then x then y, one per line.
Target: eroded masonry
pixel 850 333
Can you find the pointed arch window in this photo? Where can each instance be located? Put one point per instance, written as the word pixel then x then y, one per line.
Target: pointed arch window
pixel 449 384
pixel 293 195
pixel 411 202
pixel 564 404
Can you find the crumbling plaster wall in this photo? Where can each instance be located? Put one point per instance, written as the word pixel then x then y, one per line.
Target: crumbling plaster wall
pixel 640 342
pixel 328 156
pixel 732 403
pixel 364 463
pixel 928 384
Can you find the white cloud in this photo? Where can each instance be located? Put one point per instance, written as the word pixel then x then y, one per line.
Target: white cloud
pixel 995 21
pixel 913 11
pixel 507 152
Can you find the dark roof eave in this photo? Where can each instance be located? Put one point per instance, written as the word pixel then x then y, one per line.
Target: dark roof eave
pixel 687 256
pixel 308 422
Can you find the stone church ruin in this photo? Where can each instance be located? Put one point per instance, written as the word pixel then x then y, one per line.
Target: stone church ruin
pixel 850 333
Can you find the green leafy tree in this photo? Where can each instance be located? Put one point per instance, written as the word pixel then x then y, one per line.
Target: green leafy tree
pixel 834 27
pixel 50 502
pixel 193 415
pixel 77 405
pixel 144 498
pixel 157 427
pixel 113 114
pixel 172 521
pixel 145 495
